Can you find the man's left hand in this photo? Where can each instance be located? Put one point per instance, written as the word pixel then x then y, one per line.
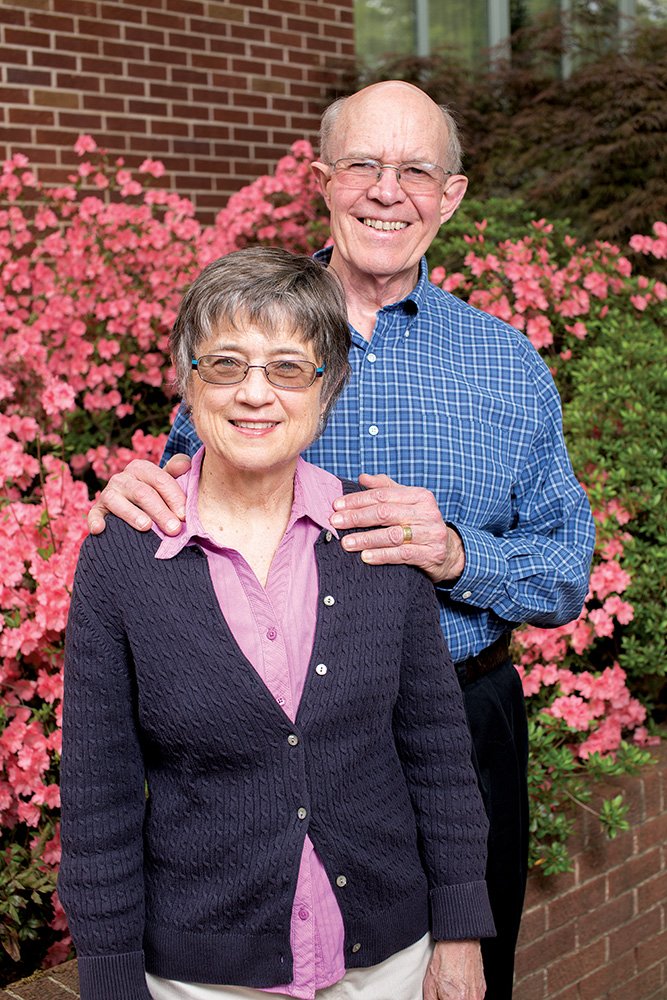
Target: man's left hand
pixel 433 546
pixel 455 972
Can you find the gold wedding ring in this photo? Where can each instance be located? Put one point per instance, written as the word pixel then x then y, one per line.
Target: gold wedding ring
pixel 407 534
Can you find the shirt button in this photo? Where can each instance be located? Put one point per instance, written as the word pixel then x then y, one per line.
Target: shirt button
pixel 321 669
pixel 341 881
pixel 467 594
pixel 301 812
pixel 329 600
pixel 355 948
pixel 373 430
pixel 271 633
pixel 281 701
pixel 371 357
pixel 293 739
pixel 303 914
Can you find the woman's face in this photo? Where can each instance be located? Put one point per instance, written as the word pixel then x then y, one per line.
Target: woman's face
pixel 253 426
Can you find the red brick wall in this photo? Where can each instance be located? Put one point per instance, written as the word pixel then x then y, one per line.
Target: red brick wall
pixel 217 91
pixel 601 931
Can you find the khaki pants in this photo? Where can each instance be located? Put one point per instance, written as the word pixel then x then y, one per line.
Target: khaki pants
pixel 398 978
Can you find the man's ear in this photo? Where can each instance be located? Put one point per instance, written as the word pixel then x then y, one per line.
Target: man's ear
pixel 452 196
pixel 322 174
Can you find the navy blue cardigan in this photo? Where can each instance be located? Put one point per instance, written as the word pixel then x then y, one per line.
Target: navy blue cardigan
pixel 185 805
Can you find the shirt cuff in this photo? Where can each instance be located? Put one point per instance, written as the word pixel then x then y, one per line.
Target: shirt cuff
pixel 485 572
pixel 461 912
pixel 113 977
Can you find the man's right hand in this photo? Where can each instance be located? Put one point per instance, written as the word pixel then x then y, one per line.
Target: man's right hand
pixel 143 493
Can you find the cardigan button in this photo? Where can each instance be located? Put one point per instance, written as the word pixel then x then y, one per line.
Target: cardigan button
pixel 301 812
pixel 355 948
pixel 329 600
pixel 328 536
pixel 293 739
pixel 321 669
pixel 341 881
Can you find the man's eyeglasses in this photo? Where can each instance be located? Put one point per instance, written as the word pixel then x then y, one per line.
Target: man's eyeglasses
pixel 220 370
pixel 414 176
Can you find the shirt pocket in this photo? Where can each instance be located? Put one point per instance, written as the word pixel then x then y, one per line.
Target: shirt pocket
pixel 467 463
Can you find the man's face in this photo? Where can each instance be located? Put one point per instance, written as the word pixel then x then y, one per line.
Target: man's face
pixel 382 231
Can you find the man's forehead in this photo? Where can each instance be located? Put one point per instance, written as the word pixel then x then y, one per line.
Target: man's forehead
pixel 396 119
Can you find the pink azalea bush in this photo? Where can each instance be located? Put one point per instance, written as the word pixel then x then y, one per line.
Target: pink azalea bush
pixel 92 274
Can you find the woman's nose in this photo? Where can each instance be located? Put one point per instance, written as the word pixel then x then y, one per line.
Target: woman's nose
pixel 255 387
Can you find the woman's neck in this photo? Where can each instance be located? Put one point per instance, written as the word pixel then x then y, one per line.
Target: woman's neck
pixel 246 512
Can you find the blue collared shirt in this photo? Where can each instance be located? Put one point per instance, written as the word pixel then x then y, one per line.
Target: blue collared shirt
pixel 448 397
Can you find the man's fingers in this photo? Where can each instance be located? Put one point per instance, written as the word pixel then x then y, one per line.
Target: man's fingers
pixel 177 465
pixel 140 494
pixel 383 537
pixel 391 494
pixel 378 513
pixel 115 503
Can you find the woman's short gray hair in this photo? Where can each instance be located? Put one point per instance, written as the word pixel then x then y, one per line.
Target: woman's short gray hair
pixel 453 151
pixel 275 290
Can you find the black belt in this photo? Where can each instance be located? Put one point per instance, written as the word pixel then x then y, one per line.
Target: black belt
pixel 485 661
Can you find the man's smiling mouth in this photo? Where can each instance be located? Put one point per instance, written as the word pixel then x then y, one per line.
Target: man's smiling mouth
pixel 382 224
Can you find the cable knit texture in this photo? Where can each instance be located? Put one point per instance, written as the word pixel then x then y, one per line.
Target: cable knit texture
pixel 185 806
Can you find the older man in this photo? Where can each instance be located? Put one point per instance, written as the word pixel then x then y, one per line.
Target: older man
pixel 459 410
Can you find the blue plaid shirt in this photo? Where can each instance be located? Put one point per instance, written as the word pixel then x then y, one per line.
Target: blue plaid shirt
pixel 451 398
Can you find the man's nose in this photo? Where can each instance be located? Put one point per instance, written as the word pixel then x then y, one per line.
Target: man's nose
pixel 387 188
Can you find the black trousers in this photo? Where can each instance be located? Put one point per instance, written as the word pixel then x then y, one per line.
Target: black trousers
pixel 497 717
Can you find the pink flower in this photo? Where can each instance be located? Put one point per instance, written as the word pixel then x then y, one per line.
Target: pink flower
pixel 573 710
pixel 153 167
pixel 578 330
pixel 596 284
pixel 603 624
pixel 539 332
pixel 85 144
pixel 58 397
pixel 608 577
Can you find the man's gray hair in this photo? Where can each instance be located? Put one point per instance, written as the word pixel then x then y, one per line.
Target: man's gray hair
pixel 453 152
pixel 276 291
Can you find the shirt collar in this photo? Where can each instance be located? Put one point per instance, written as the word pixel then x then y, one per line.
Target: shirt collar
pixel 418 294
pixel 314 493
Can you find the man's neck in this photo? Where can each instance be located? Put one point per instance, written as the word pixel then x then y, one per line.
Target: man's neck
pixel 366 294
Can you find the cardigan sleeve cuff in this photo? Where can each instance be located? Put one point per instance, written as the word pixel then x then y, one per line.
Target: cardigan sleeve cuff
pixel 113 977
pixel 461 912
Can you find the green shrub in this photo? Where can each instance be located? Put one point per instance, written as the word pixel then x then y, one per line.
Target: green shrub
pixel 616 421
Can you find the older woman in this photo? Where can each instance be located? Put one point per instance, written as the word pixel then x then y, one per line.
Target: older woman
pixel 266 768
